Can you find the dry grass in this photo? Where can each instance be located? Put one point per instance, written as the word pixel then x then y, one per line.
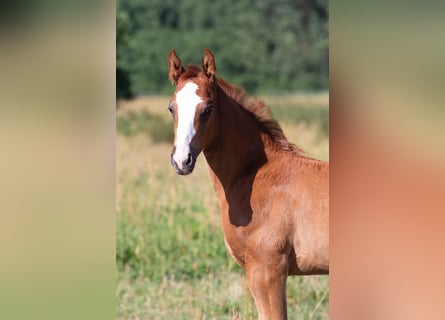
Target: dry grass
pixel 298 100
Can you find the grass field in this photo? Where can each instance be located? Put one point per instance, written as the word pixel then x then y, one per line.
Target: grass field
pixel 170 254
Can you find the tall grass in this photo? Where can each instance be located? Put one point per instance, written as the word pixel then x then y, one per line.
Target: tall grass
pixel 155 126
pixel 314 115
pixel 172 242
pixel 170 253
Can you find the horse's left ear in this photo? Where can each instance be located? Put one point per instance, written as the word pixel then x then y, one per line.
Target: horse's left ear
pixel 208 65
pixel 175 68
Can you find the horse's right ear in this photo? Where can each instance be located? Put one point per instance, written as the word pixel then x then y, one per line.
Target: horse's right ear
pixel 175 68
pixel 208 65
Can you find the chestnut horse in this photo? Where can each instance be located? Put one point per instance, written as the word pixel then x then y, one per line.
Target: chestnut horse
pixel 274 200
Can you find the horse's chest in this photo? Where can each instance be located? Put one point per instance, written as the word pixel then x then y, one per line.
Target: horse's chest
pixel 236 245
pixel 237 220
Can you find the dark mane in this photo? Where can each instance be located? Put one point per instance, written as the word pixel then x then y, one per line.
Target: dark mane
pixel 261 113
pixel 256 107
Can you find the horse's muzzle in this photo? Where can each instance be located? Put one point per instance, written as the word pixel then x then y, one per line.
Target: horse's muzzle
pixel 187 165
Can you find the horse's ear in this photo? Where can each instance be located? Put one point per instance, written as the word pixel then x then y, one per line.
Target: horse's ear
pixel 175 68
pixel 208 65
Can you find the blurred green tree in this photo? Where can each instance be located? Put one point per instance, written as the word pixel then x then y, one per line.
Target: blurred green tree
pixel 123 82
pixel 262 45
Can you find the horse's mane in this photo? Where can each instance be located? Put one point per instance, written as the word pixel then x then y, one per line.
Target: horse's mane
pixel 260 111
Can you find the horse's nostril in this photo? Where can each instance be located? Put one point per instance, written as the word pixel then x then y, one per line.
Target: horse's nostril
pixel 189 160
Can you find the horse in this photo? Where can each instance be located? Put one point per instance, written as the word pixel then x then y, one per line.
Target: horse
pixel 274 200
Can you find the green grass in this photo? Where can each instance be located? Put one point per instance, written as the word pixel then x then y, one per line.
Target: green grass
pixel 133 123
pixel 308 115
pixel 171 242
pixel 213 296
pixel 170 254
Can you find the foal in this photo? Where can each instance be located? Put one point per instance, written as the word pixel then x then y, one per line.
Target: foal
pixel 274 200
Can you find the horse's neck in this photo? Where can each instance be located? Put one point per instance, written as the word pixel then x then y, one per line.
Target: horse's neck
pixel 239 147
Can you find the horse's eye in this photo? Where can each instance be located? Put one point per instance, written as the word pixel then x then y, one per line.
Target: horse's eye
pixel 207 110
pixel 170 108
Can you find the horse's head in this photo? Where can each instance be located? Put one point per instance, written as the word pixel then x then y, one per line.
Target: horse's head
pixel 193 109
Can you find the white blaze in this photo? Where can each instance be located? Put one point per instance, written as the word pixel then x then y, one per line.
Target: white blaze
pixel 187 101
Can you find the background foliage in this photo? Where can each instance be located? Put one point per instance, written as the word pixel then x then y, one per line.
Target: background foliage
pixel 262 45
